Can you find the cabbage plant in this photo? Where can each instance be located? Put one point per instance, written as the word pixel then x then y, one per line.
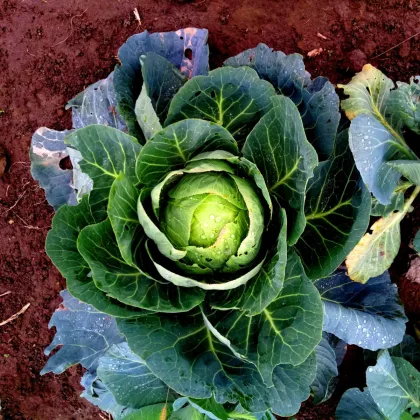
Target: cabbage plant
pixel 393 386
pixel 201 233
pixel 383 118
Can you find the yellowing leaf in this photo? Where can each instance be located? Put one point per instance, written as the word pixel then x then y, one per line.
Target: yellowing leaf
pixel 163 413
pixel 375 251
pixel 368 93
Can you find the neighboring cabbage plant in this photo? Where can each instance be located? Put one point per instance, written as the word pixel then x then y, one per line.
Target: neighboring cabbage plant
pixel 384 117
pixel 200 232
pixel 393 386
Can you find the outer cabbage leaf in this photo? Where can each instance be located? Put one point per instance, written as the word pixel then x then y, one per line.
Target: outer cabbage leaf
pixel 161 80
pixel 128 283
pixel 329 355
pixel 181 351
pixel 378 248
pixel 209 409
pixel 98 394
pixel 81 181
pixel 337 212
pixel 381 210
pixel 173 147
pixel 395 385
pixel 96 105
pixel 187 413
pixel 416 242
pixel 47 150
pixel 358 405
pixel 320 115
pixel 368 315
pixel 375 132
pixel 84 334
pixel 61 247
pixel 285 72
pixel 278 146
pixel 122 213
pixel 406 103
pixel 409 350
pixel 409 168
pixel 150 412
pixel 317 99
pixel 286 332
pixel 130 380
pixel 106 153
pixel 233 98
pixel 292 386
pixel 170 45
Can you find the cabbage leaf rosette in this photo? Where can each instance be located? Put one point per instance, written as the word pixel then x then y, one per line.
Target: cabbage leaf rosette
pixel 217 201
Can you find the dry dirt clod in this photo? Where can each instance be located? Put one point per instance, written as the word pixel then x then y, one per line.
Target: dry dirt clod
pixel 355 60
pixel 369 47
pixel 3 161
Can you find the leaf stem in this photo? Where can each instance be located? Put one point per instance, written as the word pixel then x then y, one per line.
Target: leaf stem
pixel 412 197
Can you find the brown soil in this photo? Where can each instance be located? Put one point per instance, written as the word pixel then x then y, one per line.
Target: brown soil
pixel 50 50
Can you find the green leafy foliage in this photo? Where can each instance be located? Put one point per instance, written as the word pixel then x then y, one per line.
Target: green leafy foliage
pixel 317 100
pixel 395 385
pixel 201 248
pixel 232 98
pixel 368 315
pixel 128 78
pixel 279 147
pixel 416 242
pixel 130 380
pixel 285 332
pixel 358 405
pixel 376 130
pixel 84 334
pixel 329 355
pixel 336 212
pixel 378 248
pixel 381 116
pixel 161 80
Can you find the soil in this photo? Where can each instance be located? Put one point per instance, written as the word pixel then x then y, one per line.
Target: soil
pixel 50 50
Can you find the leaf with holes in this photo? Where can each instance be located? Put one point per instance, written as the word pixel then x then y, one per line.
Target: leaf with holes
pixel 128 78
pixel 378 248
pixel 84 334
pixel 161 80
